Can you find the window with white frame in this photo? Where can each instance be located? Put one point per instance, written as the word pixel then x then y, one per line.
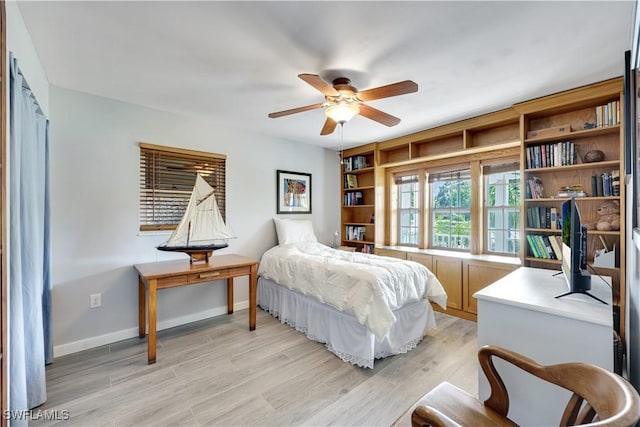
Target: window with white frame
pixel 408 213
pixel 450 206
pixel 502 208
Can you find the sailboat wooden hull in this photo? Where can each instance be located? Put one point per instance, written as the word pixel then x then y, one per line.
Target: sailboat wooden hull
pixel 196 253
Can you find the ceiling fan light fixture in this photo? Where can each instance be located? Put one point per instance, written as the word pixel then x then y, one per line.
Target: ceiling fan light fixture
pixel 342 112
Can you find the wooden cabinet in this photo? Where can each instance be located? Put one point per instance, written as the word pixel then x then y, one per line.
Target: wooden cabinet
pixel 391 252
pixel 358 199
pixel 558 133
pixel 424 259
pixel 461 278
pixel 449 273
pixel 477 275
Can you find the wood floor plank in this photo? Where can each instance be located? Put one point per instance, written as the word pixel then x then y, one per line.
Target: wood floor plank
pixel 217 372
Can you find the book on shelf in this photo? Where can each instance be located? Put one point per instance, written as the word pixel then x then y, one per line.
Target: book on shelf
pixel 355 232
pixel 353 198
pixel 542 217
pixel 355 162
pixel 544 247
pixel 367 248
pixel 606 184
pixel 350 180
pixel 550 155
pixel 569 194
pixel 556 245
pixel 608 114
pixel 535 190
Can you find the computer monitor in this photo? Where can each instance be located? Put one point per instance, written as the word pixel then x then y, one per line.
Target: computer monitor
pixel 574 251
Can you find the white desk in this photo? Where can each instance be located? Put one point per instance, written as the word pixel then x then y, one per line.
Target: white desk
pixel 520 312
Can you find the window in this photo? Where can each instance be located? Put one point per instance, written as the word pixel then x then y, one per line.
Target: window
pixel 450 194
pixel 408 214
pixel 502 208
pixel 167 176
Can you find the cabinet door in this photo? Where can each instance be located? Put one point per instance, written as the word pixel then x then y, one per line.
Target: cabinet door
pixel 477 275
pixel 391 253
pixel 449 273
pixel 426 260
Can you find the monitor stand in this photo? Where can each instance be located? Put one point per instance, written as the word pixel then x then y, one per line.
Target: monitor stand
pixel 582 292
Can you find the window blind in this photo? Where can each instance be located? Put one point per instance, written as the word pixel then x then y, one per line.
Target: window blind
pixel 405 179
pixel 500 168
pixel 450 175
pixel 167 177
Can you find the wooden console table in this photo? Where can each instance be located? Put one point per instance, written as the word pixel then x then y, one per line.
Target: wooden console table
pixel 169 274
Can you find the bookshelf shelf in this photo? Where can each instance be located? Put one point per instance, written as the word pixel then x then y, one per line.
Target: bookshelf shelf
pixel 578 134
pixel 543 230
pixel 543 260
pixel 358 198
pixel 368 187
pixel 597 165
pixel 562 199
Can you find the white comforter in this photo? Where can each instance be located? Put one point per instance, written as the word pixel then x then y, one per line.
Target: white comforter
pixel 368 287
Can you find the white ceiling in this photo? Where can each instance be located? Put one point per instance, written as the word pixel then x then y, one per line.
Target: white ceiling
pixel 238 61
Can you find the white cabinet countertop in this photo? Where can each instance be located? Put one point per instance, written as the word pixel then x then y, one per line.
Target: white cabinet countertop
pixel 535 289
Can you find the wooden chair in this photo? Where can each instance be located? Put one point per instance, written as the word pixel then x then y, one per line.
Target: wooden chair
pixel 600 397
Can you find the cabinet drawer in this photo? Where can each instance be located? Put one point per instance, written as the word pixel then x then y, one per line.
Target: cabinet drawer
pixel 168 282
pixel 208 276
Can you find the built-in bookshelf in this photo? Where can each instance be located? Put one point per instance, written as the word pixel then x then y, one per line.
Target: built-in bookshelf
pixel 572 145
pixel 358 199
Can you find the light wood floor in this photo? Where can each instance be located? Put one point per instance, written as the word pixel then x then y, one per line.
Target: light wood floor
pixel 217 372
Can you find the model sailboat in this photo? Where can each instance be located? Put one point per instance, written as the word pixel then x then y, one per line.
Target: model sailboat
pixel 202 229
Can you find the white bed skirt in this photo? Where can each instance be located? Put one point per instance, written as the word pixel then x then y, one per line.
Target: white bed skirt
pixel 342 334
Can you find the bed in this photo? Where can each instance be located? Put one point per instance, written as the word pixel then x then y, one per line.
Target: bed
pixel 362 306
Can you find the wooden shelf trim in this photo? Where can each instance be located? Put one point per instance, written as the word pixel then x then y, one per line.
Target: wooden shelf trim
pixel 578 134
pixel 368 187
pixel 594 165
pixel 562 199
pixel 360 171
pixel 558 231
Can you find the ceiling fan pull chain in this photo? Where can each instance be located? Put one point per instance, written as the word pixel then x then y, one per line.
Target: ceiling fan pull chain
pixel 341 142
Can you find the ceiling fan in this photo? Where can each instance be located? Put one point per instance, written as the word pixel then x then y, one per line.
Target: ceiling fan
pixel 343 101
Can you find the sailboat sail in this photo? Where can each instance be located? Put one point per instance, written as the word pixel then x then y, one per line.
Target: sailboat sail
pixel 202 223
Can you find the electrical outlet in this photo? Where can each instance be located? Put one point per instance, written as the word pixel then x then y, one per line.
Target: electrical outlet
pixel 95 300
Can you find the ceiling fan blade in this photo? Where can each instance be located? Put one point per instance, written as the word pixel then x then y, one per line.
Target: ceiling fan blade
pixel 317 82
pixel 295 110
pixel 378 116
pixel 393 89
pixel 329 127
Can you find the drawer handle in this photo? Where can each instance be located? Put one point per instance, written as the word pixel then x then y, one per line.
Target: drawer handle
pixel 207 275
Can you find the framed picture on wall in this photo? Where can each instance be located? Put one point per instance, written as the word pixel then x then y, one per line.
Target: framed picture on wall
pixel 294 192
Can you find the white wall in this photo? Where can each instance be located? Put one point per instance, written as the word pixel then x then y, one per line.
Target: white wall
pixel 94 210
pixel 20 44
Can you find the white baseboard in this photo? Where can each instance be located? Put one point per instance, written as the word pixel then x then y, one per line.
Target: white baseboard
pixel 100 340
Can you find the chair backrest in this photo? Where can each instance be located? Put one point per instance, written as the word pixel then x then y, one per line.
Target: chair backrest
pixel 599 397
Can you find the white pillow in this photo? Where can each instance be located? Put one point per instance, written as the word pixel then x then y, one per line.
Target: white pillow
pixel 294 230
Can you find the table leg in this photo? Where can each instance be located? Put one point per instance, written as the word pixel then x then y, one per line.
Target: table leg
pixel 230 295
pixel 252 297
pixel 151 348
pixel 142 321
